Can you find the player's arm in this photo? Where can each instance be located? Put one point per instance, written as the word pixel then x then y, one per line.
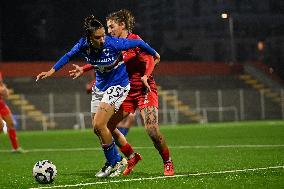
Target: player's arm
pixel 62 61
pixel 149 61
pixel 4 92
pixel 150 64
pixel 157 61
pixel 126 44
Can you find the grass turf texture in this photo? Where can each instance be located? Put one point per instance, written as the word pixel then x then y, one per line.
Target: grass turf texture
pixel 194 149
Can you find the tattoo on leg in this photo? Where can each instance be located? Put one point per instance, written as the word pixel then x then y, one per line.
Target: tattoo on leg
pixel 155 136
pixel 151 125
pixel 151 116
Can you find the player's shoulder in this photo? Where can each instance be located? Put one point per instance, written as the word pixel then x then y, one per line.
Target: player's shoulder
pixel 133 36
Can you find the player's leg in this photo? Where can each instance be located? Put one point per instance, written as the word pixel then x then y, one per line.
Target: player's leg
pixel 128 106
pixel 99 121
pixel 150 117
pixel 124 125
pixel 119 138
pixel 104 110
pixel 103 114
pixel 8 118
pixel 148 106
pixel 122 143
pixel 107 169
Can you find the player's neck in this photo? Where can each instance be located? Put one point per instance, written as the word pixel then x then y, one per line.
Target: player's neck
pixel 124 34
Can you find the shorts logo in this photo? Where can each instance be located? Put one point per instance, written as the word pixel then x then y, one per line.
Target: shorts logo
pixel 146 101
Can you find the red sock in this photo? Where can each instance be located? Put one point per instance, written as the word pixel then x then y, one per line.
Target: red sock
pixel 127 150
pixel 165 154
pixel 13 138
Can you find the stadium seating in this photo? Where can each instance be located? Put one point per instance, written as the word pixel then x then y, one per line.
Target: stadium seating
pixel 183 99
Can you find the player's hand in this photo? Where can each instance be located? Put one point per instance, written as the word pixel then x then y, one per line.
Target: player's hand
pixel 44 75
pixel 145 82
pixel 77 72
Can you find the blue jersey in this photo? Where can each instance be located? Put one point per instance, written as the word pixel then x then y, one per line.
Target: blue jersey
pixel 109 70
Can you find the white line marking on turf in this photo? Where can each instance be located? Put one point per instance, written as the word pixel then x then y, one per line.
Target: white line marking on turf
pixel 147 147
pixel 163 177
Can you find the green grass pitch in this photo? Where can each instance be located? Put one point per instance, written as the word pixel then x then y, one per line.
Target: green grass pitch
pixel 220 155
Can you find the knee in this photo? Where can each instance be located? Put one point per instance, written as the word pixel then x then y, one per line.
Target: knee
pixel 97 124
pixel 11 124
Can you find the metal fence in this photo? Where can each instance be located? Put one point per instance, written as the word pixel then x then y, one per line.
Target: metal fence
pixel 72 111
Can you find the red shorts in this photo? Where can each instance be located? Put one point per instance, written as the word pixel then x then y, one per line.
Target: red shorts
pixel 140 99
pixel 4 109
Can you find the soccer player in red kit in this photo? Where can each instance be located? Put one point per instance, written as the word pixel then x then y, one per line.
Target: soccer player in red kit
pixel 142 95
pixel 143 90
pixel 6 115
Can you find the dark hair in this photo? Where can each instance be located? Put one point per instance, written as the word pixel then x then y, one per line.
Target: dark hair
pixel 91 25
pixel 123 16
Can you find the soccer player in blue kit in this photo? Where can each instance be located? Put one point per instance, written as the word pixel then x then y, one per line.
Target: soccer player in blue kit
pixel 112 82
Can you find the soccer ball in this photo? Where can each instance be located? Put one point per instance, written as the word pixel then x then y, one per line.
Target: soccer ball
pixel 44 172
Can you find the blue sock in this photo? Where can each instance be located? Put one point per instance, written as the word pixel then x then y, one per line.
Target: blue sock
pixel 123 130
pixel 111 153
pixel 116 152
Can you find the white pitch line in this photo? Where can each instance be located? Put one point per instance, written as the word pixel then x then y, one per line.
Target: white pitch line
pixel 148 147
pixel 163 177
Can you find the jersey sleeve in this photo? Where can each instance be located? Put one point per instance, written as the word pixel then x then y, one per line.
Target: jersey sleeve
pixel 125 44
pixel 78 47
pixel 149 60
pixel 145 57
pixel 87 67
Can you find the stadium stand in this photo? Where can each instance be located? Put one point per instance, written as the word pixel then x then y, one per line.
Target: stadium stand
pixel 226 93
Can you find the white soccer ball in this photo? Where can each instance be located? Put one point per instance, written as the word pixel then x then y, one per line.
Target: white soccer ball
pixel 44 171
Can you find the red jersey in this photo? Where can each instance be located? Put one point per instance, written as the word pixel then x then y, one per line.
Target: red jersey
pixel 136 66
pixel 135 61
pixel 4 109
